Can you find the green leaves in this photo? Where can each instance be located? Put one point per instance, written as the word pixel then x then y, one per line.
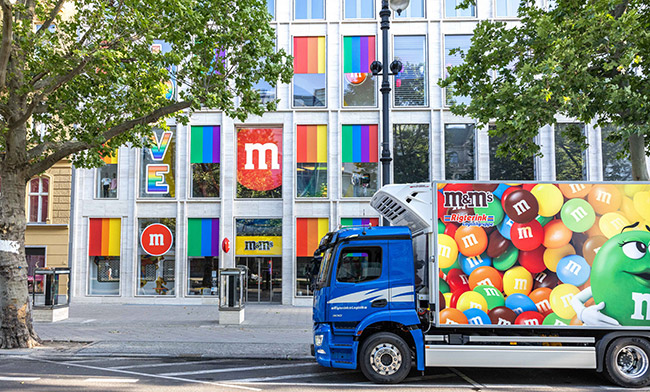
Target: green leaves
pixel 580 60
pixel 94 83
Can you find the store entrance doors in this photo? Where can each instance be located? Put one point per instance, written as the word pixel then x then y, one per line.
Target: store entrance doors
pixel 264 278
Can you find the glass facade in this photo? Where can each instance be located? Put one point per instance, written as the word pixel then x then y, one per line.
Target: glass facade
pixel 158 165
pixel 157 257
pixel 104 249
pixel 507 8
pixel 615 167
pixel 411 150
pixel 359 85
pixel 410 82
pixel 451 10
pixel 569 157
pixel 460 147
pixel 248 192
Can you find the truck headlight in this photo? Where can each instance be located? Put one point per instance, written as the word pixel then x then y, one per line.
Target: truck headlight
pixel 318 340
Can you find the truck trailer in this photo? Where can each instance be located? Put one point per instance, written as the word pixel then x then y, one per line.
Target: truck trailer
pixel 490 274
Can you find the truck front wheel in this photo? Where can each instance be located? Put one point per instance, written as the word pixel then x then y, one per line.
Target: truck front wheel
pixel 385 358
pixel 627 362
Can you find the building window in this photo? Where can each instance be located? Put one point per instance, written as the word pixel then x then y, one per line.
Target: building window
pixel 507 8
pixel 309 9
pixel 270 7
pixel 38 200
pixel 414 10
pixel 347 222
pixel 104 239
pixel 309 232
pixel 203 256
pixel 410 82
pixel 311 157
pixel 462 42
pixel 411 149
pixel 360 160
pixel 107 178
pixel 158 165
pixel 205 158
pixel 157 256
pixel 452 12
pixel 615 167
pixel 259 163
pixel 504 168
pixel 259 249
pixel 569 157
pixel 359 9
pixel 359 85
pixel 35 258
pixel 309 79
pixel 358 265
pixel 459 152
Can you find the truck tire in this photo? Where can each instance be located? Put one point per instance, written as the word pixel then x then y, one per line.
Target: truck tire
pixel 627 362
pixel 385 358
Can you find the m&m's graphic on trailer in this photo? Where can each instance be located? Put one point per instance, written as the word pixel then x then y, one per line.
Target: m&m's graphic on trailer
pixel 544 254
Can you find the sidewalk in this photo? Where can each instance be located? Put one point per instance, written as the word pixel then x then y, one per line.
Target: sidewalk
pixel 269 331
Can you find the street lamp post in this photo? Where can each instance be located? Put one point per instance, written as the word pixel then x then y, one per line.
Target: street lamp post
pixel 378 68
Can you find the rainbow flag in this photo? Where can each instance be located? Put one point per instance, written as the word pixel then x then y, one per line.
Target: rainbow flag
pixel 205 144
pixel 111 159
pixel 312 144
pixel 309 232
pixel 360 143
pixel 202 237
pixel 104 236
pixel 309 55
pixel 359 221
pixel 358 54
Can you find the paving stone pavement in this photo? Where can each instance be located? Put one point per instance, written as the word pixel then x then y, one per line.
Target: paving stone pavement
pixel 269 331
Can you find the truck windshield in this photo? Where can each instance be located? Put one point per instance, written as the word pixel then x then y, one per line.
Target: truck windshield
pixel 325 266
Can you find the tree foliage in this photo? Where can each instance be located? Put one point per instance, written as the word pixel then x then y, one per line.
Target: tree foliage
pixel 586 60
pixel 85 70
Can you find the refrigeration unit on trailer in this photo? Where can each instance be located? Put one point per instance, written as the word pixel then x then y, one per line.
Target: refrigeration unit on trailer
pixel 489 274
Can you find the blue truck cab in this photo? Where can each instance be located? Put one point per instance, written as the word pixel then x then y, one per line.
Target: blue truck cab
pixel 365 312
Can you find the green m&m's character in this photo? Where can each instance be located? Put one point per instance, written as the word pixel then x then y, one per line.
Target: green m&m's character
pixel 620 283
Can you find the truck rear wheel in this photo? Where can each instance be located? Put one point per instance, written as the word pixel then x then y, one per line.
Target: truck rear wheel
pixel 385 358
pixel 627 362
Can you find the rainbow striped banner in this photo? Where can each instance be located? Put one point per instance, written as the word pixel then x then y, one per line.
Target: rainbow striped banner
pixel 205 144
pixel 309 55
pixel 359 221
pixel 309 232
pixel 111 159
pixel 360 143
pixel 104 236
pixel 358 54
pixel 203 237
pixel 312 144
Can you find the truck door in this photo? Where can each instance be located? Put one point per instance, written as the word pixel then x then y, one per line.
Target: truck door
pixel 359 283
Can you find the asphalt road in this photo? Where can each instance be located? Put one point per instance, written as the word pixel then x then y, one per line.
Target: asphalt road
pixel 71 374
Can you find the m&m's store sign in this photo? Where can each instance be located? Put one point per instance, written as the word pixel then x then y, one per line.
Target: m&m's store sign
pixel 551 254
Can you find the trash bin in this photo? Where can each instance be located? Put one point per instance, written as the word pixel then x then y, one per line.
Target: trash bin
pixel 231 295
pixel 53 304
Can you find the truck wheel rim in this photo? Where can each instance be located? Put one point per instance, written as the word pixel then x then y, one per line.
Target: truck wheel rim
pixel 632 362
pixel 385 359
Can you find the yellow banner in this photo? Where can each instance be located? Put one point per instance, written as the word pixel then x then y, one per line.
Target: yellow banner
pixel 258 246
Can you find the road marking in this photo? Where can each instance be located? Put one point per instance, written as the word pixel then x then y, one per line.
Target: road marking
pixel 288 376
pixel 162 364
pixel 242 369
pixel 350 385
pixel 469 380
pixel 112 380
pixel 19 379
pixel 146 375
pixel 88 321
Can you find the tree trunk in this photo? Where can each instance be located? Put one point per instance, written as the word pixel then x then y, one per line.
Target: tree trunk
pixel 16 330
pixel 637 157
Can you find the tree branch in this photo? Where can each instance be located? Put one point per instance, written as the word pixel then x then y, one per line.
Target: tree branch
pixel 62 150
pixel 7 37
pixel 55 11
